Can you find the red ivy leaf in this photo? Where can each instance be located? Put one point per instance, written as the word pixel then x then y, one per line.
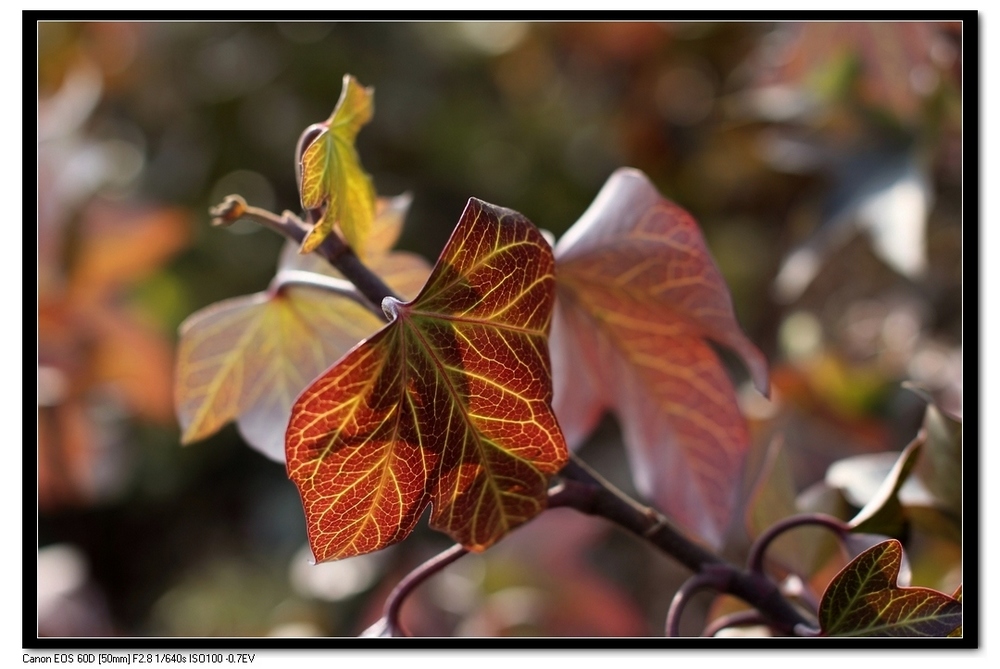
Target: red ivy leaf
pixel 448 404
pixel 638 295
pixel 863 600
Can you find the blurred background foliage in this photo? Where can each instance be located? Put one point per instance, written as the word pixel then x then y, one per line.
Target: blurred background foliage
pixel 822 160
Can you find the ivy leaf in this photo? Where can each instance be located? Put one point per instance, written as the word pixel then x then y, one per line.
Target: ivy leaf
pixel 332 174
pixel 248 358
pixel 864 600
pixel 958 597
pixel 448 404
pixel 638 296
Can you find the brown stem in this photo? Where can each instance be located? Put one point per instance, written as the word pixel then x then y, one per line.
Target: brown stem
pixel 333 248
pixel 394 604
pixel 755 559
pixel 713 578
pixel 587 492
pixel 604 499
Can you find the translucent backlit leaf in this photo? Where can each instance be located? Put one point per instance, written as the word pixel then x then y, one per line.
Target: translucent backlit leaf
pixel 864 600
pixel 248 358
pixel 449 404
pixel 332 173
pixel 638 296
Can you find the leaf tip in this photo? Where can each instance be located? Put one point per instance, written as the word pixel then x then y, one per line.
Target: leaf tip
pixel 761 376
pixel 754 359
pixel 477 206
pixel 188 435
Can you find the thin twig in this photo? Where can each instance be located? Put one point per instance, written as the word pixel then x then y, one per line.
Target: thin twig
pixel 587 492
pixel 572 494
pixel 710 578
pixel 755 559
pixel 609 502
pixel 333 248
pixel 394 603
pixel 233 208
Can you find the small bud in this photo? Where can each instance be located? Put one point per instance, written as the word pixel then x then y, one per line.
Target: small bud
pixel 229 211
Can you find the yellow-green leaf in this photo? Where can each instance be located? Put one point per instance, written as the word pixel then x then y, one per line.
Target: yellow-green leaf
pixel 332 173
pixel 248 358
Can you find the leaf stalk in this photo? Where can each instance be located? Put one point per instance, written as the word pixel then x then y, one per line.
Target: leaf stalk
pixel 755 558
pixel 333 249
pixel 403 589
